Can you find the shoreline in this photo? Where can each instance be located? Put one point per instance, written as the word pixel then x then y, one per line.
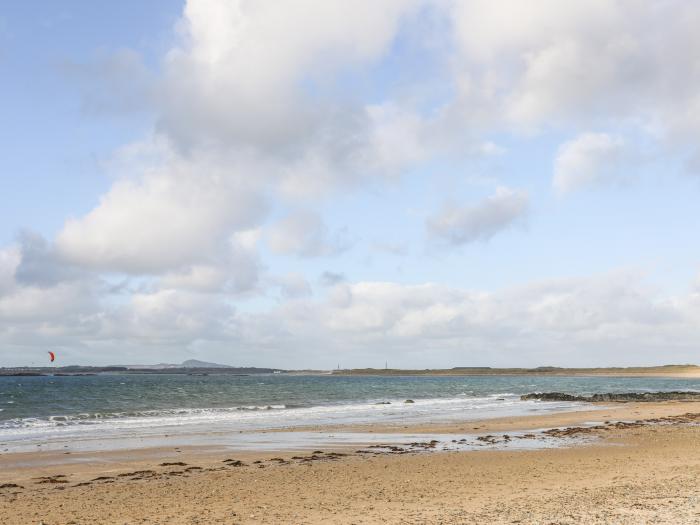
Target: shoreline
pixel 302 486
pixel 243 442
pixel 599 412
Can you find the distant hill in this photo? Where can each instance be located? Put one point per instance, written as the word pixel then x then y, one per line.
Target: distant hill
pixel 194 363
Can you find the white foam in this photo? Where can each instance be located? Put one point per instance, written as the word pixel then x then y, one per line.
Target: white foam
pixel 58 430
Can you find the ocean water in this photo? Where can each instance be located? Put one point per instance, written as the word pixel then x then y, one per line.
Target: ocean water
pixel 54 410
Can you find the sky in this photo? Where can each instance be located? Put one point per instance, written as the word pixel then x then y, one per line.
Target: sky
pixel 303 184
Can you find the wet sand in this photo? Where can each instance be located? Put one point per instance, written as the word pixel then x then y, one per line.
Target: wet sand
pixel 644 471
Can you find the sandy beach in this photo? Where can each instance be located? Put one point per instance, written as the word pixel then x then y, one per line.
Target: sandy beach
pixel 644 470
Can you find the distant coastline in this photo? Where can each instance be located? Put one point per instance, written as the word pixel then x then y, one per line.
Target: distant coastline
pixel 671 371
pixel 678 371
pixel 100 370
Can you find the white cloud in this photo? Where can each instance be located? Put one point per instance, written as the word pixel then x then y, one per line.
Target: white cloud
pixel 178 212
pixel 303 233
pixel 236 127
pixel 236 270
pixel 605 319
pixel 10 259
pixel 534 66
pixel 197 277
pixel 589 159
pixel 41 265
pixel 174 317
pixel 293 285
pixel 39 307
pixel 583 321
pixel 464 224
pixel 241 65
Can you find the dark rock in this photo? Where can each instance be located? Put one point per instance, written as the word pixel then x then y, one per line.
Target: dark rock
pixel 409 401
pixel 550 396
pixel 615 397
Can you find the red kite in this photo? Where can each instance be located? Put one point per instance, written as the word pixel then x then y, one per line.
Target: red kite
pixel 52 356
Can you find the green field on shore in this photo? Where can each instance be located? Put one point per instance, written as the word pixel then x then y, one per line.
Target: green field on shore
pixel 665 370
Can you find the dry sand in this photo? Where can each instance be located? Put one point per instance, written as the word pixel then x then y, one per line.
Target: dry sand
pixel 637 473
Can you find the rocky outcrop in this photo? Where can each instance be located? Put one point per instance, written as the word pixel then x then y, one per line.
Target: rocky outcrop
pixel 615 397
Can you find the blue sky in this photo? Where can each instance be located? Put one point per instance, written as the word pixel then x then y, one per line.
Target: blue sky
pixel 50 141
pixel 436 183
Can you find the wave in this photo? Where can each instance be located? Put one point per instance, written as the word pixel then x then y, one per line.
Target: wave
pixel 261 416
pixel 97 417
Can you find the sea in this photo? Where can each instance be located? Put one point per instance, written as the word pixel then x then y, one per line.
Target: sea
pixel 110 411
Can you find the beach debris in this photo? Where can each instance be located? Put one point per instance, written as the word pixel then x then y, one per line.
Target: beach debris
pixel 137 474
pixel 489 439
pixel 58 478
pixel 234 463
pixel 10 486
pixel 173 464
pixel 392 448
pixel 423 444
pixel 527 436
pixel 103 478
pixel 319 456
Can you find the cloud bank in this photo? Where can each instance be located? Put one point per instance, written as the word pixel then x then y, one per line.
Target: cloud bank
pixel 268 116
